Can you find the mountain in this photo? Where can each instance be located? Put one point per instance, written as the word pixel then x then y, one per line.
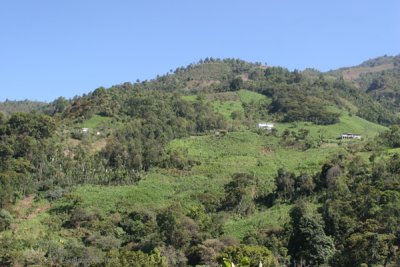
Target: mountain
pixel 175 171
pixel 297 95
pixel 379 78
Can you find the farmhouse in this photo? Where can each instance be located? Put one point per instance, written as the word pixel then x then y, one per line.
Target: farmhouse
pixel 350 136
pixel 265 126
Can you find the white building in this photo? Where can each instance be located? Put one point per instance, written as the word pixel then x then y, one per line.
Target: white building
pixel 350 136
pixel 266 126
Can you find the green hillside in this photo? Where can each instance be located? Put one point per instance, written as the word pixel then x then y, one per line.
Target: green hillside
pixel 175 172
pixel 378 77
pixel 217 157
pixel 346 124
pixel 9 107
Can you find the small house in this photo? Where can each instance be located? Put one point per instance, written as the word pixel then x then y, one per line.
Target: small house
pixel 350 136
pixel 265 126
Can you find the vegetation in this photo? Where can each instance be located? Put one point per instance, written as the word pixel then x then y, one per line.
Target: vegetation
pixel 10 107
pixel 175 172
pixel 378 77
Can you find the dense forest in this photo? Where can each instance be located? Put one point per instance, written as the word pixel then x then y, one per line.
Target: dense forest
pixel 175 171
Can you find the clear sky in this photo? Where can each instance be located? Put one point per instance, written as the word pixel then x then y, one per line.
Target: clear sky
pixel 51 48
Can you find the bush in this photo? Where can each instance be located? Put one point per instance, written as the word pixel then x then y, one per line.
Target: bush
pixel 247 256
pixel 5 219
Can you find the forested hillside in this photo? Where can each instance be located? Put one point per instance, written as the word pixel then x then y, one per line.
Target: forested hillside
pixel 176 171
pixel 9 107
pixel 379 78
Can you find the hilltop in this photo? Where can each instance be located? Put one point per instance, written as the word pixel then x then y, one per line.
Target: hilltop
pixel 368 90
pixel 297 95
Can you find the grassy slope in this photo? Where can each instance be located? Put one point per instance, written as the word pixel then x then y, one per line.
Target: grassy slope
pixel 352 124
pixel 228 102
pixel 227 107
pixel 220 157
pixel 248 96
pixel 355 72
pixel 95 121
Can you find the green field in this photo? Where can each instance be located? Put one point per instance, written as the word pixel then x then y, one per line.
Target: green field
pixel 347 124
pixel 226 103
pixel 227 107
pixel 249 96
pixel 96 121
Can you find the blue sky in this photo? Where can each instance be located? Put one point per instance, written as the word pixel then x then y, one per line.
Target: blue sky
pixel 65 48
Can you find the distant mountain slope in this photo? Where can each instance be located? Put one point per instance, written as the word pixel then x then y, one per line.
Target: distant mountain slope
pixel 379 78
pixel 9 107
pixel 378 64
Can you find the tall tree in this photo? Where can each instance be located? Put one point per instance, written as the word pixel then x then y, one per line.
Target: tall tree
pixel 308 242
